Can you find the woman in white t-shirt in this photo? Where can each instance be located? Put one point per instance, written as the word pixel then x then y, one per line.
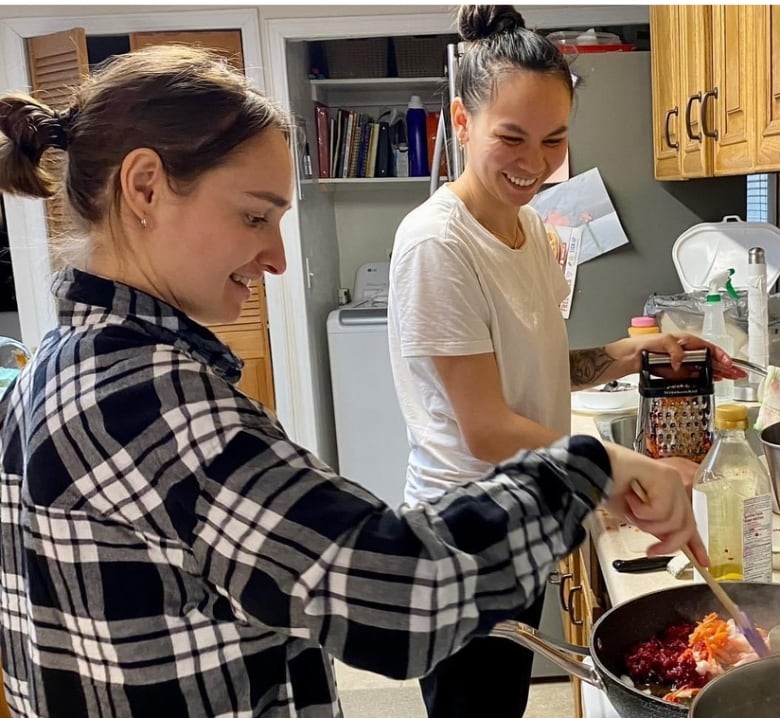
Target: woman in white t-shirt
pixel 478 345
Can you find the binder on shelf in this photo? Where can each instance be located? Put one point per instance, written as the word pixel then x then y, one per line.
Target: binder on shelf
pixel 354 145
pixel 322 122
pixel 372 146
pixel 332 148
pixel 342 120
pixel 365 148
pixel 383 152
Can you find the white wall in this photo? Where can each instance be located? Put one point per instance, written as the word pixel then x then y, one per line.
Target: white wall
pixel 366 220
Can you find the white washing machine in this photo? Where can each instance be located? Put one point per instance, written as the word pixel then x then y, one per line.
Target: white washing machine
pixel 370 431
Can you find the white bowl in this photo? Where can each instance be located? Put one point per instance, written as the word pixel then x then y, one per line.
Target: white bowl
pixel 624 397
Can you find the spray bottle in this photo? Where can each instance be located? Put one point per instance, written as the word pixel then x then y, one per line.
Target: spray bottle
pixel 714 327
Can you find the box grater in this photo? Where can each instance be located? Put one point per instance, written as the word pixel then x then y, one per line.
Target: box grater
pixel 675 408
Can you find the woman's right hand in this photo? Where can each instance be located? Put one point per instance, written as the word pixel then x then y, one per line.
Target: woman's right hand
pixel 665 509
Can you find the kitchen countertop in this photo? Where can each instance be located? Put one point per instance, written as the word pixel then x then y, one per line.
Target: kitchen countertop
pixel 614 539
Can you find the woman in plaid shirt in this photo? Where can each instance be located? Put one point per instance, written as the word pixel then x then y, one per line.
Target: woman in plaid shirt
pixel 165 548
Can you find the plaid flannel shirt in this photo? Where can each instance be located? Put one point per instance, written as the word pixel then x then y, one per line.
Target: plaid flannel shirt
pixel 167 550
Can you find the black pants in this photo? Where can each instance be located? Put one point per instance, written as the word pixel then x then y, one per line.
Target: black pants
pixel 487 678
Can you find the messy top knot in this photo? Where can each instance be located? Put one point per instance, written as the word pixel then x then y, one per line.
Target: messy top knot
pixel 476 22
pixel 500 43
pixel 28 128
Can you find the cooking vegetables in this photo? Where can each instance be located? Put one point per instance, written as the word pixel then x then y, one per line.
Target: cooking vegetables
pixel 679 661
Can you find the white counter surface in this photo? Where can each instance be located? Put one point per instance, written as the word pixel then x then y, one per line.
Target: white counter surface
pixel 615 539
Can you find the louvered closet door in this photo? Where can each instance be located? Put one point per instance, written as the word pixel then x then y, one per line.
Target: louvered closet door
pixel 58 63
pixel 248 335
pixel 248 338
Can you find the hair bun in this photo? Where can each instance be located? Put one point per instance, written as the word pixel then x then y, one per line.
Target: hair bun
pixel 27 129
pixel 31 125
pixel 476 22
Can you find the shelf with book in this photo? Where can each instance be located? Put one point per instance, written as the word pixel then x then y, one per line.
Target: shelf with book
pixel 360 124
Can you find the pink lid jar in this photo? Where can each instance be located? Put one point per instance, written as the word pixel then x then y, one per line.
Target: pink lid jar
pixel 643 325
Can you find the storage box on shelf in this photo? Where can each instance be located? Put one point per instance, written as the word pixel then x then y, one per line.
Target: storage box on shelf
pixel 421 55
pixel 357 57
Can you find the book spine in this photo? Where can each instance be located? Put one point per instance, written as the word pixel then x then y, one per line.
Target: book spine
pixel 322 121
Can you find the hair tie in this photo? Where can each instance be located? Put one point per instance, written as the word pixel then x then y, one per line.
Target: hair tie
pixel 61 128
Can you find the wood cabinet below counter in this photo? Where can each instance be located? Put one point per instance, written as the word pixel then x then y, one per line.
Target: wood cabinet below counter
pixel 582 599
pixel 716 90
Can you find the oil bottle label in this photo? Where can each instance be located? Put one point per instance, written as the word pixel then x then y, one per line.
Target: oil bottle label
pixel 757 538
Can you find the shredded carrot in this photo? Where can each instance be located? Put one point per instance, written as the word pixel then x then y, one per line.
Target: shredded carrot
pixel 710 637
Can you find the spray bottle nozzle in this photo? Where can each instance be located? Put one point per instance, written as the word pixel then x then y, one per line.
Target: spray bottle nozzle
pixel 721 279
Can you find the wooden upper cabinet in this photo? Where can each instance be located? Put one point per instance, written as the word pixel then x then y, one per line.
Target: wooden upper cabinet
pixel 667 118
pixel 695 24
pixel 57 64
pixel 734 78
pixel 767 29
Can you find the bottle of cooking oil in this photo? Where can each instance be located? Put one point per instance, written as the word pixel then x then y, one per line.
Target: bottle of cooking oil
pixel 732 503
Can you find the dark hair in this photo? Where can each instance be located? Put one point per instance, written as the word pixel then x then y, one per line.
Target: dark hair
pixel 186 104
pixel 499 42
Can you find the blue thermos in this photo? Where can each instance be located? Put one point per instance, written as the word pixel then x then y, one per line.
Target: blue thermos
pixel 416 119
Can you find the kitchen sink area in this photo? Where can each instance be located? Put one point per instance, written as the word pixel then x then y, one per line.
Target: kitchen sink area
pixel 621 429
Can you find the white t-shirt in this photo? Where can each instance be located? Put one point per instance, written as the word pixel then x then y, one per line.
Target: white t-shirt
pixel 456 289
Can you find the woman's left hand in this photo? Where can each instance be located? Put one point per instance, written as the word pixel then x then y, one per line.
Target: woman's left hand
pixel 628 352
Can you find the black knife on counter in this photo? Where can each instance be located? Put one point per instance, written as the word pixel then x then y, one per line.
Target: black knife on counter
pixel 641 565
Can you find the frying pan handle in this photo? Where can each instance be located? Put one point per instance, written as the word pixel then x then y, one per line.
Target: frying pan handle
pixel 555 651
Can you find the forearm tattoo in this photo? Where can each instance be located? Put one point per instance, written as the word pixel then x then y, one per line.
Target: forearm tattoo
pixel 587 365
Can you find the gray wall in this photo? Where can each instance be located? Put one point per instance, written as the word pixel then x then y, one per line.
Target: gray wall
pixel 611 130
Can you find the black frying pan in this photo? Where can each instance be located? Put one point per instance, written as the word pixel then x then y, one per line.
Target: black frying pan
pixel 637 620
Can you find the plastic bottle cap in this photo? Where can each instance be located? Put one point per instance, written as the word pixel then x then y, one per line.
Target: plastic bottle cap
pixel 712 298
pixel 643 321
pixel 415 103
pixel 731 416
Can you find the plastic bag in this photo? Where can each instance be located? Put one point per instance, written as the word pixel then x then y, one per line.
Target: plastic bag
pixel 684 312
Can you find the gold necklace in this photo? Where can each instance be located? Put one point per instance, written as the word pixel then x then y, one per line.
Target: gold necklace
pixel 517 240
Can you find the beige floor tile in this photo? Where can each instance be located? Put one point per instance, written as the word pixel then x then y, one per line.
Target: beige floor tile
pixel 367 695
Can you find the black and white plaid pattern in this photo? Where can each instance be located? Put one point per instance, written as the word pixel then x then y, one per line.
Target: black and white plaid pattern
pixel 168 551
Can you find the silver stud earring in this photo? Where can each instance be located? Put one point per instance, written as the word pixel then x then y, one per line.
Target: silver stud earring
pixel 144 223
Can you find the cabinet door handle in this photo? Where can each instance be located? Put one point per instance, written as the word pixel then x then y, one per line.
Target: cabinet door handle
pixel 562 589
pixel 667 136
pixel 570 608
pixel 714 94
pixel 688 106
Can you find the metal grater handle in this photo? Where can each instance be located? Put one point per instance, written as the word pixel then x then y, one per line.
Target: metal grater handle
pixel 749 366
